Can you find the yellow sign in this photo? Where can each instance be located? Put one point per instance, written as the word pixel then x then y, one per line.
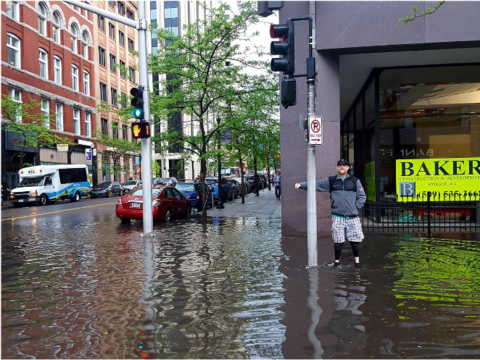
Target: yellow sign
pixel 370 181
pixel 62 147
pixel 456 179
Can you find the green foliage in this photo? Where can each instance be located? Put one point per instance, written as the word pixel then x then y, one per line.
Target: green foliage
pixel 415 15
pixel 155 168
pixel 34 128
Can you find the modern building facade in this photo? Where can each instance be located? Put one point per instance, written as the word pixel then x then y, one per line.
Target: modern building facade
pixel 47 55
pixel 117 74
pixel 386 91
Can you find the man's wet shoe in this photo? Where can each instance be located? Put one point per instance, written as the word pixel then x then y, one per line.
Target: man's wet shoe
pixel 358 266
pixel 336 264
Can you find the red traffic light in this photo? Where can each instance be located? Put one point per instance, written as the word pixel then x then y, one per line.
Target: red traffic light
pixel 140 130
pixel 137 92
pixel 278 31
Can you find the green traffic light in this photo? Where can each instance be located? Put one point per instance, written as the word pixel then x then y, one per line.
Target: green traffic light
pixel 137 113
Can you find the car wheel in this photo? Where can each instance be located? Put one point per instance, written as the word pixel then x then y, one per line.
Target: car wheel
pixel 76 197
pixel 168 215
pixel 189 211
pixel 17 204
pixel 43 200
pixel 110 193
pixel 124 221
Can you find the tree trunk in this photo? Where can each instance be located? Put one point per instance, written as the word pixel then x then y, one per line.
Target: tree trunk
pixel 244 188
pixel 269 176
pixel 255 180
pixel 203 174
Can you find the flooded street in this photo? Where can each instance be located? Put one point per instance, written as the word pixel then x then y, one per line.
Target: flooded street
pixel 85 286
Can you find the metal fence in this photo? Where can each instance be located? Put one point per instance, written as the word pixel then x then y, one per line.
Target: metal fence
pixel 431 212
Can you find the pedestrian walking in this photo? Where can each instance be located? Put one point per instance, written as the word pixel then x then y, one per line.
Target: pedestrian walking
pixel 347 197
pixel 277 181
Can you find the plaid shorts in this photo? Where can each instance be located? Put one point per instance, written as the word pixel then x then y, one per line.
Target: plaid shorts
pixel 351 227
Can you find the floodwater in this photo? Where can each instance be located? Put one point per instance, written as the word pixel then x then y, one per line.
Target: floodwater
pixel 233 288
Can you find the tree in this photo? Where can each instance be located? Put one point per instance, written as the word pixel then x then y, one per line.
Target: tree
pixel 34 127
pixel 415 15
pixel 197 81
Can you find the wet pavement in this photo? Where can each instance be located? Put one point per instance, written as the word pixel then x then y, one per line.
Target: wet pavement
pixel 81 285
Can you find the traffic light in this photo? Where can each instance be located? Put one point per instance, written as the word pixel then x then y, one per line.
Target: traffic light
pixel 285 47
pixel 140 130
pixel 288 92
pixel 137 102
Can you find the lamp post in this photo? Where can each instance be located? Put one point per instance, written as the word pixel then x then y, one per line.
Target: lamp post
pixel 220 203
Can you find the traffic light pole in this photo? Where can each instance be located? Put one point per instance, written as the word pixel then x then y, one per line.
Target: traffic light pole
pixel 141 26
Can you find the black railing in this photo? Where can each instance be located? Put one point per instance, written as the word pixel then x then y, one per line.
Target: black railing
pixel 427 212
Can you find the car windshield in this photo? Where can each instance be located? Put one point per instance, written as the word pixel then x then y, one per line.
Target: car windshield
pixel 33 181
pixel 185 187
pixel 155 192
pixel 132 182
pixel 103 185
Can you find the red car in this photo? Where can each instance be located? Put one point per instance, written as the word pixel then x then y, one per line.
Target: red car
pixel 167 203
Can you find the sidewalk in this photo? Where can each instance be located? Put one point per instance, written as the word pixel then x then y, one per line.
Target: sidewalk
pixel 264 206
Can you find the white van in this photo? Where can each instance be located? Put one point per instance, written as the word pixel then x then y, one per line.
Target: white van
pixel 48 183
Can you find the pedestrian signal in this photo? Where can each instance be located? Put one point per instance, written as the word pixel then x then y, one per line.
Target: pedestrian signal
pixel 137 102
pixel 140 130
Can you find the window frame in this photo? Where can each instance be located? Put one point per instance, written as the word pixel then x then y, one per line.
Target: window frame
pixel 59 116
pixel 15 6
pixel 45 63
pixel 112 60
pixel 102 93
pixel 56 35
pixel 130 41
pixel 85 41
pixel 101 22
pixel 57 71
pixel 76 121
pixel 45 111
pixel 13 91
pixel 86 82
pixel 125 132
pixel 113 96
pixel 104 123
pixel 121 38
pixel 131 74
pixel 74 38
pixel 111 30
pixel 17 50
pixel 101 55
pixel 42 19
pixel 88 124
pixel 75 77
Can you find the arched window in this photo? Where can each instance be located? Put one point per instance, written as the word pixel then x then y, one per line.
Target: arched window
pixel 74 38
pixel 42 18
pixel 85 42
pixel 13 50
pixel 57 22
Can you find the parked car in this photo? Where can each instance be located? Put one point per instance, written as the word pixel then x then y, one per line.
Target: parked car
pixel 107 189
pixel 158 181
pixel 226 189
pixel 167 203
pixel 193 192
pixel 130 184
pixel 170 181
pixel 248 186
pixel 251 183
pixel 236 188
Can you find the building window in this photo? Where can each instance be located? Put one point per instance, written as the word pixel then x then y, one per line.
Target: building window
pixel 74 78
pixel 57 70
pixel 13 10
pixel 13 50
pixel 86 83
pixel 125 132
pixel 103 92
pixel 121 8
pixel 74 38
pixel 88 124
pixel 57 21
pixel 113 61
pixel 115 130
pixel 171 17
pixel 59 116
pixel 111 30
pixel 111 4
pixel 101 22
pixel 76 121
pixel 101 56
pixel 43 62
pixel 42 18
pixel 85 41
pixel 130 14
pixel 131 45
pixel 15 95
pixel 131 73
pixel 105 127
pixel 123 68
pixel 121 38
pixel 44 108
pixel 113 96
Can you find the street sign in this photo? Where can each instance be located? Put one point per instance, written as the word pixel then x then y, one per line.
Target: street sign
pixel 88 154
pixel 315 133
pixel 62 147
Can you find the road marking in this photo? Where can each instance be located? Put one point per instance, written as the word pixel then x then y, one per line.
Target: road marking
pixel 56 212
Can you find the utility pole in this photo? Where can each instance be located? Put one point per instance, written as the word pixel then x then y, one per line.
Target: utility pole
pixel 141 25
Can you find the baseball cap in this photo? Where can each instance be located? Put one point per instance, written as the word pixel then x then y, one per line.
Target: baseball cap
pixel 343 162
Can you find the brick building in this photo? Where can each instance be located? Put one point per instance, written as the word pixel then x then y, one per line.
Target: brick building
pixel 113 43
pixel 47 55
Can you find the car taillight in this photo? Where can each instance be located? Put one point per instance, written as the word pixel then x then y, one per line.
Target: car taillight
pixel 119 202
pixel 198 196
pixel 156 202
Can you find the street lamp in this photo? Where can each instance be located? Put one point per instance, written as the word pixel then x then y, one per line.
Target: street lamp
pixel 220 203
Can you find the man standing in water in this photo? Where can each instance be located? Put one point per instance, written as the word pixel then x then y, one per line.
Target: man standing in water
pixel 347 197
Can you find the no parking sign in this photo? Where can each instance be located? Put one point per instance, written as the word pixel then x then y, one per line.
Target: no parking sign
pixel 315 131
